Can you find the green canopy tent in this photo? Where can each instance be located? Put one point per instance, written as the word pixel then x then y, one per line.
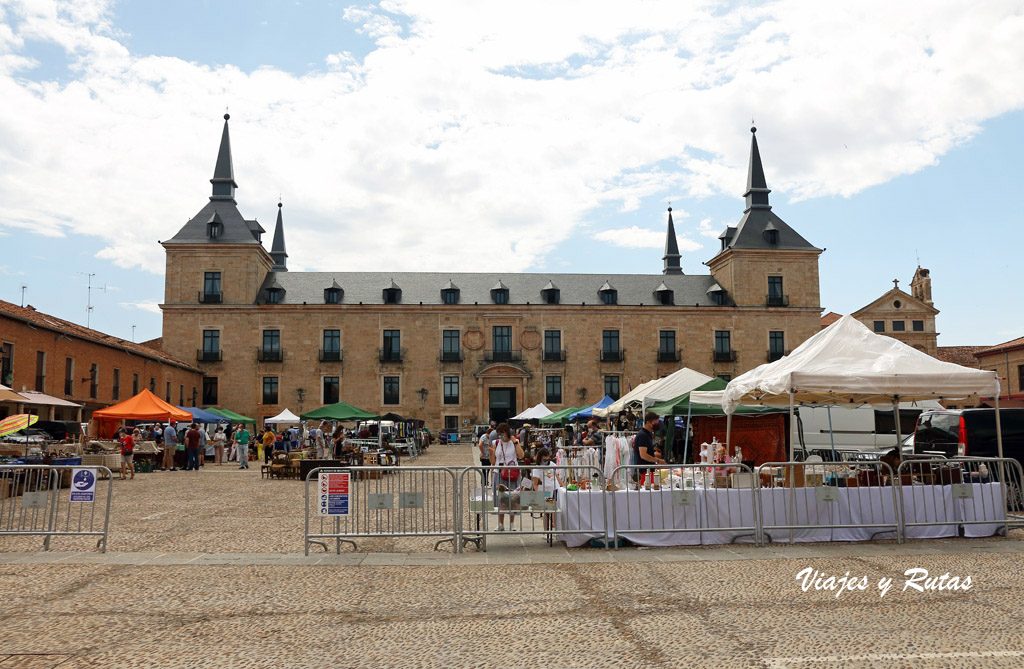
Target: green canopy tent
pixel 341 412
pixel 560 417
pixel 232 416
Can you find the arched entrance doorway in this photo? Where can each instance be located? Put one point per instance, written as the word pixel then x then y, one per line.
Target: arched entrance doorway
pixel 502 391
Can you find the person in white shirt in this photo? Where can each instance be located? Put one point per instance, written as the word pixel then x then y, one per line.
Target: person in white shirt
pixel 505 452
pixel 219 438
pixel 547 481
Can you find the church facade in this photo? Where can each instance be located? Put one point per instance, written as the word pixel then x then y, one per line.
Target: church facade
pixel 456 349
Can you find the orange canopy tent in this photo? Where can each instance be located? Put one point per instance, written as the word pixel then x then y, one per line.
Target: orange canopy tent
pixel 144 406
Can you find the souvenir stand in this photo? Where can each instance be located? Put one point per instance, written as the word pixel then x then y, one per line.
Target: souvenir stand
pixel 143 407
pixel 368 454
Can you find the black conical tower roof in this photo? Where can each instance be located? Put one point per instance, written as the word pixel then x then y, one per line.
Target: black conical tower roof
pixel 224 172
pixel 757 187
pixel 277 249
pixel 671 256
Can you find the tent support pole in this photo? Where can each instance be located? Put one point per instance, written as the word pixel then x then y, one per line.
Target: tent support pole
pixel 728 432
pixel 686 435
pixel 792 423
pixel 1002 466
pixel 899 437
pixel 999 429
pixel 831 434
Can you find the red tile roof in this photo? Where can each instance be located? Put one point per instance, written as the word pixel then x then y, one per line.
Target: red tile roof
pixel 999 348
pixel 39 319
pixel 960 355
pixel 829 318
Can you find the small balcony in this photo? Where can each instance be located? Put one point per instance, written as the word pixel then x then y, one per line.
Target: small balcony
pixel 331 356
pixel 211 298
pixel 776 300
pixel 389 355
pixel 450 356
pixel 670 356
pixel 613 356
pixel 270 354
pixel 209 356
pixel 554 356
pixel 776 355
pixel 503 356
pixel 724 356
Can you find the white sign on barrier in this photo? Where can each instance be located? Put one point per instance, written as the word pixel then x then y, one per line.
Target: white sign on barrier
pixel 83 485
pixel 380 501
pixel 684 497
pixel 531 498
pixel 34 500
pixel 963 491
pixel 826 494
pixel 410 500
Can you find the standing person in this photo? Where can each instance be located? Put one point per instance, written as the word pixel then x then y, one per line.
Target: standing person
pixel 339 442
pixel 265 445
pixel 241 440
pixel 218 445
pixel 505 452
pixel 192 439
pixel 643 444
pixel 319 443
pixel 204 439
pixel 484 446
pixel 127 453
pixel 170 446
pixel 230 432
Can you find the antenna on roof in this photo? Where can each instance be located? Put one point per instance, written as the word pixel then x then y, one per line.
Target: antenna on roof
pixel 23 287
pixel 88 303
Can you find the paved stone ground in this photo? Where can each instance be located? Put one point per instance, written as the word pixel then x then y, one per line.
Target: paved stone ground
pixel 230 587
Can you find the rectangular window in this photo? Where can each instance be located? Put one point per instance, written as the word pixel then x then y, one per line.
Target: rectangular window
pixel 502 338
pixel 553 389
pixel 135 384
pixel 40 371
pixel 332 341
pixel 209 389
pixel 332 389
pixel 879 326
pixel 7 364
pixel 918 326
pixel 392 345
pixel 500 296
pixel 451 422
pixel 152 384
pixel 610 341
pixel 450 349
pixel 167 397
pixel 451 390
pixel 69 376
pixel 777 343
pixel 1020 379
pixel 271 341
pixel 552 341
pixel 723 343
pixel 667 341
pixel 211 283
pixel 94 381
pixel 181 395
pixel 211 341
pixel 115 392
pixel 390 390
pixel 611 387
pixel 270 390
pixel 899 326
pixel 775 286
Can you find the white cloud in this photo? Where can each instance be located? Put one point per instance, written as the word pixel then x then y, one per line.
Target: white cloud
pixel 480 129
pixel 152 306
pixel 636 237
pixel 705 229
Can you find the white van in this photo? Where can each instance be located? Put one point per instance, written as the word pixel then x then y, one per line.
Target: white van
pixel 863 428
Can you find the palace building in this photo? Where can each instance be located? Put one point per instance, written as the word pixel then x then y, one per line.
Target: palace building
pixel 459 348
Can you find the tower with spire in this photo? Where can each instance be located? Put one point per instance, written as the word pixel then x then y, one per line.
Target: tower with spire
pixel 763 262
pixel 671 257
pixel 277 250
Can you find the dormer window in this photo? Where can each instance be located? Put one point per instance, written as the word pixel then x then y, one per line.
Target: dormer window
pixel 664 295
pixel 717 294
pixel 550 293
pixel 771 235
pixel 214 226
pixel 333 295
pixel 609 295
pixel 392 294
pixel 274 295
pixel 499 294
pixel 449 293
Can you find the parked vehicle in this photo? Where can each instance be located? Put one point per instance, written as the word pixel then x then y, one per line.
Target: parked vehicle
pixel 863 428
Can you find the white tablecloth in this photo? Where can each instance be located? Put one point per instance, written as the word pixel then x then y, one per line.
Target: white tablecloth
pixel 639 514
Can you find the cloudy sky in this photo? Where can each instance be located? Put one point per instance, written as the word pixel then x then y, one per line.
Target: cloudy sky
pixel 526 136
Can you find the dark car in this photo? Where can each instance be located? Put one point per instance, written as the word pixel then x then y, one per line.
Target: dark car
pixel 969 432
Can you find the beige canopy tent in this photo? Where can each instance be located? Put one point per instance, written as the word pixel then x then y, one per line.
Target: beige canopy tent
pixel 847 364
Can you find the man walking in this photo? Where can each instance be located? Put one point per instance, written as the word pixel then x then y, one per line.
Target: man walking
pixel 170 446
pixel 192 443
pixel 241 438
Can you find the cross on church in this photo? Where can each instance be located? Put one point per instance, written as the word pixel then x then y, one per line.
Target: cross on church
pixel 896 282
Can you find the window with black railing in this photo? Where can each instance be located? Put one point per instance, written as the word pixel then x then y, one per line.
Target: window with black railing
pixel 610 349
pixel 391 351
pixel 211 288
pixel 776 345
pixel 332 346
pixel 553 351
pixel 775 297
pixel 451 350
pixel 270 351
pixel 209 390
pixel 667 351
pixel 451 390
pixel 723 347
pixel 211 346
pixel 501 338
pixel 553 389
pixel 391 394
pixel 270 387
pixel 332 389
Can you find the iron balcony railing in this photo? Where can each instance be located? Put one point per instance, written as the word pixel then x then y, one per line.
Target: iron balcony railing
pixel 724 356
pixel 613 356
pixel 211 298
pixel 776 355
pixel 270 354
pixel 209 356
pixel 670 356
pixel 389 355
pixel 554 356
pixel 776 300
pixel 331 356
pixel 503 356
pixel 451 356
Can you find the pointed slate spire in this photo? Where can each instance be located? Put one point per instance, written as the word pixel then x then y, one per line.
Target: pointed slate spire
pixel 757 188
pixel 224 173
pixel 671 256
pixel 277 251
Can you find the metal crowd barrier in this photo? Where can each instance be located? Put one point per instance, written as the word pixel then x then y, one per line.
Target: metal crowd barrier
pixel 582 512
pixel 978 496
pixel 703 499
pixel 832 501
pixel 55 501
pixel 365 502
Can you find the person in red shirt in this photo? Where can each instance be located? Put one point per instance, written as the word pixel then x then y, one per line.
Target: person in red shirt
pixel 127 453
pixel 192 439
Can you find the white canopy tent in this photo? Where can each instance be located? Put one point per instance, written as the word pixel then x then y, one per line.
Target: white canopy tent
pixel 675 384
pixel 285 417
pixel 847 364
pixel 534 413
